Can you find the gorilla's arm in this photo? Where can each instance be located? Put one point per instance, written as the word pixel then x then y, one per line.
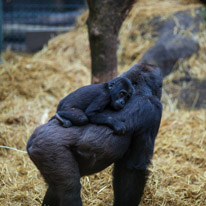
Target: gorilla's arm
pixel 130 173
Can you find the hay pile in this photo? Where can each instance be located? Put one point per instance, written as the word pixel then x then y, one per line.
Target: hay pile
pixel 31 86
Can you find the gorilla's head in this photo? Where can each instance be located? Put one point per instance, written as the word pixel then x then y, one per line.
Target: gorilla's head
pixel 147 77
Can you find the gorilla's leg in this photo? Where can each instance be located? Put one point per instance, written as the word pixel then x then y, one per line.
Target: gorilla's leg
pixel 128 185
pixel 74 116
pixel 50 198
pixel 65 122
pixel 61 172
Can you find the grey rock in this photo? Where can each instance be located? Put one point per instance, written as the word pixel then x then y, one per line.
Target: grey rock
pixel 168 50
pixel 183 20
pixel 194 96
pixel 173 42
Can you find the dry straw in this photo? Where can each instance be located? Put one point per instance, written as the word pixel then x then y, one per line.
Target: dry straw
pixel 32 85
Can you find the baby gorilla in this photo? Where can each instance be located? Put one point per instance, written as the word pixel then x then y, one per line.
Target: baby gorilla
pixel 87 103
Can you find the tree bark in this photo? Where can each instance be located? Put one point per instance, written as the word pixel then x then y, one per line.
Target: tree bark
pixel 104 22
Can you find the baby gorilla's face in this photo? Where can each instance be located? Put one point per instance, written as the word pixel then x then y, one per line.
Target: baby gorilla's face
pixel 121 90
pixel 120 99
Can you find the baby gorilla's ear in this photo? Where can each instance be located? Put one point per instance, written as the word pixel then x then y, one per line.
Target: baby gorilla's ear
pixel 112 82
pixel 110 85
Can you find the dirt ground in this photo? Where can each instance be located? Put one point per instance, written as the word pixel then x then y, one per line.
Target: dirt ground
pixel 32 85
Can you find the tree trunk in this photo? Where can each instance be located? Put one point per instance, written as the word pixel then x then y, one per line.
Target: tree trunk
pixel 104 22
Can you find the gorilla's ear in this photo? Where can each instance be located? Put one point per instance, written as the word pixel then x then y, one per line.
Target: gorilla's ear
pixel 110 85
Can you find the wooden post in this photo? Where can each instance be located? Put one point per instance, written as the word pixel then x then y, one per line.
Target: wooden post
pixel 104 22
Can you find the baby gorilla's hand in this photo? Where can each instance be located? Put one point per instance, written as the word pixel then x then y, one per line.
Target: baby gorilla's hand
pixel 119 127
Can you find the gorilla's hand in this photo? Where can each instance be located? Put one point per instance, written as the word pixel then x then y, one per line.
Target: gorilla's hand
pixel 119 127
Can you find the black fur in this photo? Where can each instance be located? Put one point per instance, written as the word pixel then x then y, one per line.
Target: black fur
pixel 87 104
pixel 63 155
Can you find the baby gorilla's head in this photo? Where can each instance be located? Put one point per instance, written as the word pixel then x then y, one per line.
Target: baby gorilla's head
pixel 121 90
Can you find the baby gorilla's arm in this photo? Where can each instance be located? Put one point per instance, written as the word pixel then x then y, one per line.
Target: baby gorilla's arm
pixel 115 124
pixel 96 116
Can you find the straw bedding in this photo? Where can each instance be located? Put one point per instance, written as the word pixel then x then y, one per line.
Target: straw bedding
pixel 32 85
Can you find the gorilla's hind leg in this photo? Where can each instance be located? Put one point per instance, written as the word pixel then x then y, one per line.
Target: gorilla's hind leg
pixel 50 198
pixel 65 122
pixel 61 172
pixel 74 116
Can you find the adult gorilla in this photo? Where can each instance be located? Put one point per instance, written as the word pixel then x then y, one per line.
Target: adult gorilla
pixel 63 155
